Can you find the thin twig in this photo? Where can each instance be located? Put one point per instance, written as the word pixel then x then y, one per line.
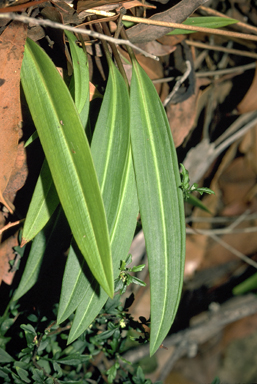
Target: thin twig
pixel 193 161
pixel 119 23
pixel 165 79
pixel 221 231
pixel 116 53
pixel 219 219
pixel 226 71
pixel 219 32
pixel 28 20
pixel 9 225
pixel 178 83
pixel 232 51
pixel 20 7
pixel 234 251
pixel 235 309
pixel 247 27
pixel 239 220
pixel 44 371
pixel 218 150
pixel 229 230
pixel 235 70
pixel 235 126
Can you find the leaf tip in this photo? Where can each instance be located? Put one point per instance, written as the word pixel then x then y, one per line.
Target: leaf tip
pixel 23 242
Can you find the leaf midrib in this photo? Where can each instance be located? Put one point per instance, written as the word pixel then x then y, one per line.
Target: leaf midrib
pixel 158 185
pixel 62 136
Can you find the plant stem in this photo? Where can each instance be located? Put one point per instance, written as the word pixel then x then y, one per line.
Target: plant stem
pixel 116 55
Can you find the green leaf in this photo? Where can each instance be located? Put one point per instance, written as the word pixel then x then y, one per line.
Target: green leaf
pixel 45 199
pixel 249 284
pixel 216 381
pixel 28 328
pixel 137 281
pixel 112 372
pixel 43 204
pixel 69 159
pixel 30 140
pixel 74 359
pixel 193 200
pixel 58 369
pixel 121 240
pixel 106 334
pixel 138 268
pixel 38 376
pixel 49 239
pixel 81 78
pixel 160 202
pixel 23 374
pixel 4 374
pixel 5 357
pixel 111 142
pixel 76 283
pixel 205 190
pixel 110 151
pixel 203 21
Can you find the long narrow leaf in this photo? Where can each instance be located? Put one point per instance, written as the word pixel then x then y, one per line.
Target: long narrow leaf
pixel 121 240
pixel 109 149
pixel 69 158
pixel 75 283
pixel 160 202
pixel 81 78
pixel 204 21
pixel 43 204
pixel 45 199
pixel 49 239
pixel 110 146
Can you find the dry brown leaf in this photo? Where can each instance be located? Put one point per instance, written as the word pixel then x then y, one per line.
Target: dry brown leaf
pixel 178 378
pixel 171 40
pixel 248 146
pixel 136 3
pixel 141 33
pixel 7 254
pixel 236 181
pixel 156 48
pixel 239 329
pixel 36 33
pixel 93 92
pixel 249 102
pixel 245 243
pixel 195 251
pixel 16 181
pixel 182 116
pixel 22 5
pixel 197 246
pixel 90 4
pixel 229 191
pixel 19 174
pixel 12 47
pixel 231 183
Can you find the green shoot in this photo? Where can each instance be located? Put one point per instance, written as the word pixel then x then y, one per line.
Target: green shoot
pixel 186 188
pixel 125 279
